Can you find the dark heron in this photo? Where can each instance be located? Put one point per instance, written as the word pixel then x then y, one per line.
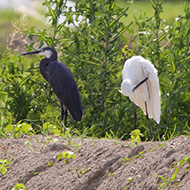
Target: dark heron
pixel 62 82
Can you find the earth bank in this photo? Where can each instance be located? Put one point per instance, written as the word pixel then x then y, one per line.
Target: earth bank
pixel 94 164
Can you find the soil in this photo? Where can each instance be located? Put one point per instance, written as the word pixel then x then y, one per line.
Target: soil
pixel 100 164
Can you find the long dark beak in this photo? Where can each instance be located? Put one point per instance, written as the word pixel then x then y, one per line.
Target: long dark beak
pixel 30 53
pixel 140 83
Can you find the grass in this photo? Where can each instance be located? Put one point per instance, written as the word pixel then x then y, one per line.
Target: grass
pixel 171 9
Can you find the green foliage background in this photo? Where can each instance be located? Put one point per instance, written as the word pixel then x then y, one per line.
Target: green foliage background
pixel 95 51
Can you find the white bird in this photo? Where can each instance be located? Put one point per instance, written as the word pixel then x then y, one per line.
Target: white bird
pixel 140 83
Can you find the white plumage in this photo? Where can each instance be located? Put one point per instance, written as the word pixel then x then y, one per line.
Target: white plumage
pixel 135 70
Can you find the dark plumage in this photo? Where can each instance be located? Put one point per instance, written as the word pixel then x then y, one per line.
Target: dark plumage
pixel 62 82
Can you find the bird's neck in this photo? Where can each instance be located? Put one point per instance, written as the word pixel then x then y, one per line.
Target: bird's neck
pixel 126 87
pixel 43 67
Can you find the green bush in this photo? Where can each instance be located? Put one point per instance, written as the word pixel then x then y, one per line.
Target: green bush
pixel 168 48
pixel 95 50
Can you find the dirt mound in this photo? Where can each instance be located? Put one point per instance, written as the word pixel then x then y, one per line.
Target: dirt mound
pixel 94 164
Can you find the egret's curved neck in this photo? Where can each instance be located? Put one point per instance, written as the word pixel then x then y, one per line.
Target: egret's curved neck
pixel 126 87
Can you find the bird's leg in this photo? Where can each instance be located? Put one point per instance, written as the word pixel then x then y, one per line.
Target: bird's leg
pixel 62 115
pixel 135 116
pixel 148 120
pixel 140 83
pixel 66 131
pixel 66 113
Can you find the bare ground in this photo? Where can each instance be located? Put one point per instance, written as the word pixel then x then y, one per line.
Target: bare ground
pixel 99 164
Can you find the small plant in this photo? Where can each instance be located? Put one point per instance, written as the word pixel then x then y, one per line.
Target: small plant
pixel 49 128
pixel 18 129
pixel 80 171
pixel 4 165
pixel 50 139
pixel 110 174
pixel 27 143
pixel 152 150
pixel 49 164
pixel 168 181
pixel 18 186
pixel 136 137
pixel 140 154
pixel 67 134
pixel 67 155
pixel 130 179
pixel 110 135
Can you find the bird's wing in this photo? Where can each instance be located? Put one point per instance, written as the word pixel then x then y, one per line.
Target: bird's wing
pixel 153 103
pixel 65 87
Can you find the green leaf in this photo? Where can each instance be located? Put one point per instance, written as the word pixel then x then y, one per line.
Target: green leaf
pixel 3 170
pixel 19 186
pixel 9 129
pixel 60 156
pixel 130 179
pixel 175 173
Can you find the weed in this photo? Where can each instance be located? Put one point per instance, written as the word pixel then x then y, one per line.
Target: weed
pixel 152 150
pixel 130 179
pixel 80 171
pixel 50 139
pixel 66 155
pixel 49 128
pixel 110 135
pixel 136 137
pixel 36 173
pixel 18 129
pixel 27 143
pixel 77 145
pixel 110 174
pixel 161 144
pixel 4 165
pixel 140 154
pixel 18 186
pixel 167 182
pixel 49 164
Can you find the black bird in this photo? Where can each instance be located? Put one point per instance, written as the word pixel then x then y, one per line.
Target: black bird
pixel 62 82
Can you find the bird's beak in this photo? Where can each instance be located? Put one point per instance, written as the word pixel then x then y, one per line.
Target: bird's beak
pixel 30 53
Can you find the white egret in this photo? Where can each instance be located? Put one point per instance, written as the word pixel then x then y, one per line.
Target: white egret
pixel 140 83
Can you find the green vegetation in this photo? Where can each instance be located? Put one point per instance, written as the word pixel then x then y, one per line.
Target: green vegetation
pixel 95 51
pixel 4 165
pixel 170 9
pixel 19 186
pixel 167 182
pixel 139 155
pixel 136 137
pixel 66 155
